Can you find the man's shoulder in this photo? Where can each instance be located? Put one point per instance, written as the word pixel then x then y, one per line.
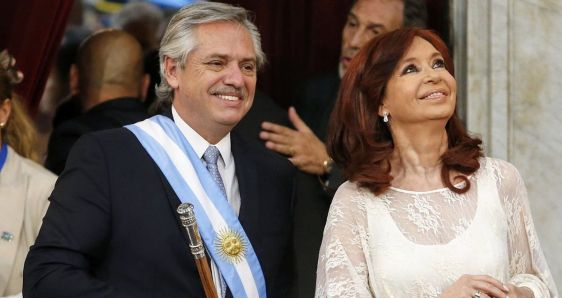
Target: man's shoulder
pixel 263 109
pixel 323 82
pixel 116 148
pixel 113 137
pixel 257 152
pixel 72 127
pixel 114 113
pixel 315 99
pixel 324 77
pixel 317 90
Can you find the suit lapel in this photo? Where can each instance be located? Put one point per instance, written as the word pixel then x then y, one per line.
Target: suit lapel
pixel 246 174
pixel 170 195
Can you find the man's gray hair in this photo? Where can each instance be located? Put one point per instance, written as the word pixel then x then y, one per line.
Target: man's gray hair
pixel 179 39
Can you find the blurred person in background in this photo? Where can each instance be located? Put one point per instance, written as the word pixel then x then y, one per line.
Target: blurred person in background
pixel 57 91
pixel 142 20
pixel 65 97
pixel 146 23
pixel 24 184
pixel 110 83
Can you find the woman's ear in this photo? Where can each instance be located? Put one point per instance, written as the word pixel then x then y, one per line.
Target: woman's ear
pixel 5 110
pixel 382 110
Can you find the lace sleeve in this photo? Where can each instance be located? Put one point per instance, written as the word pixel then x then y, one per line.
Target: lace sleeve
pixel 342 266
pixel 528 267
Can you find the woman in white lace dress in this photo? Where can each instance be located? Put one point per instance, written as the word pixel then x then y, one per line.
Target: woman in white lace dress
pixel 423 214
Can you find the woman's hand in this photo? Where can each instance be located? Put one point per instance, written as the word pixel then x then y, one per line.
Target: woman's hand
pixel 477 286
pixel 519 292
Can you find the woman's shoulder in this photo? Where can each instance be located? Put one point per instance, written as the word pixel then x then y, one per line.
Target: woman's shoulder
pixel 349 205
pixel 353 194
pixel 500 170
pixel 350 187
pixel 32 169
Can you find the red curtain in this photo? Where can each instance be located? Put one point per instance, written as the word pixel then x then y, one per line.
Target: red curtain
pixel 32 31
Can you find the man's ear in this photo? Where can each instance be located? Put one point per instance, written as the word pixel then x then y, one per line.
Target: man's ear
pixel 5 110
pixel 74 86
pixel 171 72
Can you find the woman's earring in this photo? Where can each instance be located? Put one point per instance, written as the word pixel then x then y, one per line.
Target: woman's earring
pixel 2 124
pixel 385 117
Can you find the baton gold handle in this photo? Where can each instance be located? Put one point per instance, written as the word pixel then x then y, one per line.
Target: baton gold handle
pixel 187 217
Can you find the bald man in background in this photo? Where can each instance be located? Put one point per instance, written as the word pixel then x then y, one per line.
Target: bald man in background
pixel 110 80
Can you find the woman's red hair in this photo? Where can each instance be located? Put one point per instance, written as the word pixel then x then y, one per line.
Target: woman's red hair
pixel 361 143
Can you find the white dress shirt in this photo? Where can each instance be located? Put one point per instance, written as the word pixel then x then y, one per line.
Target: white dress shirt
pixel 225 163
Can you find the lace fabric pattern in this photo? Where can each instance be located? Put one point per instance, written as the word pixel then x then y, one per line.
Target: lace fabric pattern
pixel 416 244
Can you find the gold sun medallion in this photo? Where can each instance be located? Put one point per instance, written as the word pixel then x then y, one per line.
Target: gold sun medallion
pixel 230 245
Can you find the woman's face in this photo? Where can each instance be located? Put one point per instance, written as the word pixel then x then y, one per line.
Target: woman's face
pixel 420 88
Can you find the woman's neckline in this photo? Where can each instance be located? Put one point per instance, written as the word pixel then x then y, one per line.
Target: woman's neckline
pixel 398 189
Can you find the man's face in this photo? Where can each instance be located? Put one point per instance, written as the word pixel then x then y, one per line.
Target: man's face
pixel 367 19
pixel 216 87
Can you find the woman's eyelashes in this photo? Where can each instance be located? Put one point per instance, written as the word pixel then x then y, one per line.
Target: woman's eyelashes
pixel 410 68
pixel 439 63
pixel 413 68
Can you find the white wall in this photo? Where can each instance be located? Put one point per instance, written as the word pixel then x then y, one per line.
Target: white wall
pixel 514 99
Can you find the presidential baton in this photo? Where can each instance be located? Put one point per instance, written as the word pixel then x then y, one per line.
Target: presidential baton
pixel 187 217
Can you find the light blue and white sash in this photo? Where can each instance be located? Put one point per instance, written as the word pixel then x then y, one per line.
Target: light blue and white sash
pixel 175 157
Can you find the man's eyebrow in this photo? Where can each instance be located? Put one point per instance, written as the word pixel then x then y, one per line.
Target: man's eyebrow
pixel 216 55
pixel 375 26
pixel 228 57
pixel 249 59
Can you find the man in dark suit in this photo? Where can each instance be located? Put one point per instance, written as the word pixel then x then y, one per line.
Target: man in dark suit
pixel 111 229
pixel 318 179
pixel 263 109
pixel 111 84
